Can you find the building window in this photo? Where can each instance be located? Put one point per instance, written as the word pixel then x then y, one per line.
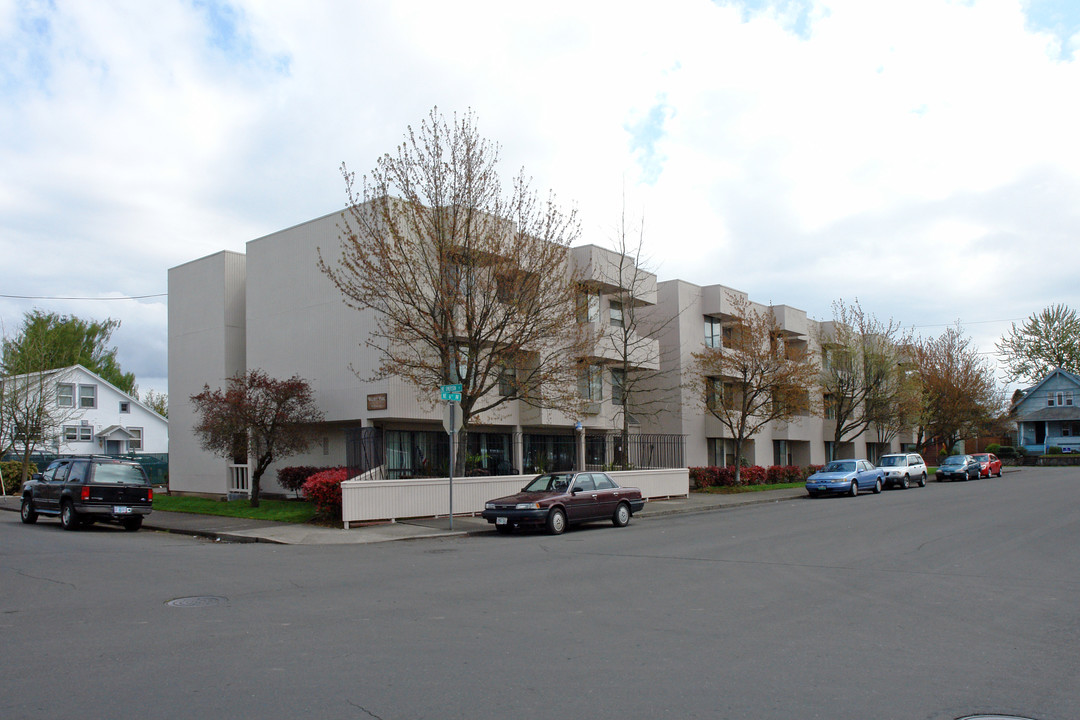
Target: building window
pixel 592 383
pixel 588 306
pixel 829 401
pixel 86 433
pixel 88 396
pixel 125 406
pixel 507 381
pixel 713 332
pixel 71 433
pixel 65 395
pixel 714 393
pixel 615 312
pixel 618 387
pixel 1068 398
pixel 135 443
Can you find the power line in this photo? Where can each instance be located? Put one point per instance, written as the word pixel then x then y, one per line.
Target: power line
pixel 52 297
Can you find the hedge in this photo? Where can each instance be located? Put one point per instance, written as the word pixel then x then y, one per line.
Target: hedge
pixel 706 477
pixel 324 489
pixel 12 470
pixel 294 477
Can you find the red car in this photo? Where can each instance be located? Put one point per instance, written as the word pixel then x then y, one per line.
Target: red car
pixel 559 499
pixel 988 464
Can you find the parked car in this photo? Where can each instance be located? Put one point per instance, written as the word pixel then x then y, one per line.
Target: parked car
pixel 556 500
pixel 958 467
pixel 988 464
pixel 902 469
pixel 845 476
pixel 83 489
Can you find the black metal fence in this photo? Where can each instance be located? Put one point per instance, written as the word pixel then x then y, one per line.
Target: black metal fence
pixel 420 453
pixel 156 465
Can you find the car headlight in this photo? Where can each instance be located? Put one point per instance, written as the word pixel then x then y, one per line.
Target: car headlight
pixel 527 506
pixel 489 506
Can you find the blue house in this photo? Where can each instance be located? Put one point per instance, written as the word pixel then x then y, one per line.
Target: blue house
pixel 1049 414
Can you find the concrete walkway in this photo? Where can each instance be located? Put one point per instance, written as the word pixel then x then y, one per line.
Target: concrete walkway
pixel 225 529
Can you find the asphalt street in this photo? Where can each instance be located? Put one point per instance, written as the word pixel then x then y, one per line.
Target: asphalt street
pixel 939 602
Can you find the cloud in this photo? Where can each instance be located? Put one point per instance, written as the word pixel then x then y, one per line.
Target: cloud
pixel 800 151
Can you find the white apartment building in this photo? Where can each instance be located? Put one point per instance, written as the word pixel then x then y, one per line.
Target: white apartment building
pixel 693 317
pixel 272 308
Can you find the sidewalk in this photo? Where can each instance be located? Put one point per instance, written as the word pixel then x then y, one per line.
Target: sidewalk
pixel 225 529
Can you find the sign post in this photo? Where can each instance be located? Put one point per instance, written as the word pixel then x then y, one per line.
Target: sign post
pixel 452 395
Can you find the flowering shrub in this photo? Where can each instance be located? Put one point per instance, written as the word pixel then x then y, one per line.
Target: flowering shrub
pixel 324 489
pixel 707 477
pixel 294 477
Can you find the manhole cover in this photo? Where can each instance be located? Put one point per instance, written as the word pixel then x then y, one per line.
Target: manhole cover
pixel 197 602
pixel 993 717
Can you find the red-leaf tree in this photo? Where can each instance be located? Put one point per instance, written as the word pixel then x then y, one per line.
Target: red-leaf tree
pixel 257 417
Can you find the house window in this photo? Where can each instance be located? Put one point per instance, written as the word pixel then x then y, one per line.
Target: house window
pixel 86 433
pixel 65 395
pixel 88 396
pixel 135 443
pixel 713 332
pixel 125 406
pixel 1068 398
pixel 1066 430
pixel 592 383
pixel 71 433
pixel 618 387
pixel 615 312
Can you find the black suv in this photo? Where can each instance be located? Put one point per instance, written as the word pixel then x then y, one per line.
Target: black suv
pixel 84 489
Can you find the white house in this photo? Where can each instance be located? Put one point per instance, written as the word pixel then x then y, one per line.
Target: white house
pixel 92 416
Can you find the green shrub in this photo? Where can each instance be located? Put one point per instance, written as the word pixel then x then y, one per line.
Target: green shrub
pixel 1005 451
pixel 994 448
pixel 1053 450
pixel 12 470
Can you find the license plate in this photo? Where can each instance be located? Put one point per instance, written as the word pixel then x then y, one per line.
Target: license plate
pixel 121 510
pixel 500 521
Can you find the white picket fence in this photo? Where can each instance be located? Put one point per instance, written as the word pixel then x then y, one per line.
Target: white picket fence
pixel 371 500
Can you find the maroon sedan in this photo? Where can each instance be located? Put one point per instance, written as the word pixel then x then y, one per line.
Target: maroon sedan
pixel 555 500
pixel 988 464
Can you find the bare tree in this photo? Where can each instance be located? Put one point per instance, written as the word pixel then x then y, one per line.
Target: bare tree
pixel 754 378
pixel 33 413
pixel 959 393
pixel 860 363
pixel 256 416
pixel 470 282
pixel 627 343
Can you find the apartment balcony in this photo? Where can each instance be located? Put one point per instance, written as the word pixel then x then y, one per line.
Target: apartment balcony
pixel 644 352
pixel 612 273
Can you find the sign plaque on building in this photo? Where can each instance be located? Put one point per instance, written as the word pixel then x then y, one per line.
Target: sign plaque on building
pixel 376 402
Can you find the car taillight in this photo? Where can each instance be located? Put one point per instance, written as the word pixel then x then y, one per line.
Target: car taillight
pixel 150 494
pixel 85 492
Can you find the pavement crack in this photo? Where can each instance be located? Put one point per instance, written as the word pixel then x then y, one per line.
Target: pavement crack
pixel 363 709
pixel 38 577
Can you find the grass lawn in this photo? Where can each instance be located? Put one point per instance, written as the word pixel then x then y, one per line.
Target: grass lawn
pixel 752 488
pixel 294 511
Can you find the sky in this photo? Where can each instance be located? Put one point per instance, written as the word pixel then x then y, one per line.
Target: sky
pixel 921 156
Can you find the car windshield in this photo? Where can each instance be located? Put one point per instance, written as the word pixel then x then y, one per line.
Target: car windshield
pixel 954 460
pixel 982 458
pixel 845 466
pixel 557 482
pixel 892 461
pixel 120 474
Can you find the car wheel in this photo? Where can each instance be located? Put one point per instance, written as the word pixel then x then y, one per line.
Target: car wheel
pixel 621 518
pixel 854 489
pixel 69 519
pixel 998 473
pixel 922 480
pixel 877 486
pixel 27 512
pixel 132 524
pixel 905 482
pixel 556 522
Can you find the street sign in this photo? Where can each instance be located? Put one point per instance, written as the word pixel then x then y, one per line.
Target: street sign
pixel 451 396
pixel 450 388
pixel 451 419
